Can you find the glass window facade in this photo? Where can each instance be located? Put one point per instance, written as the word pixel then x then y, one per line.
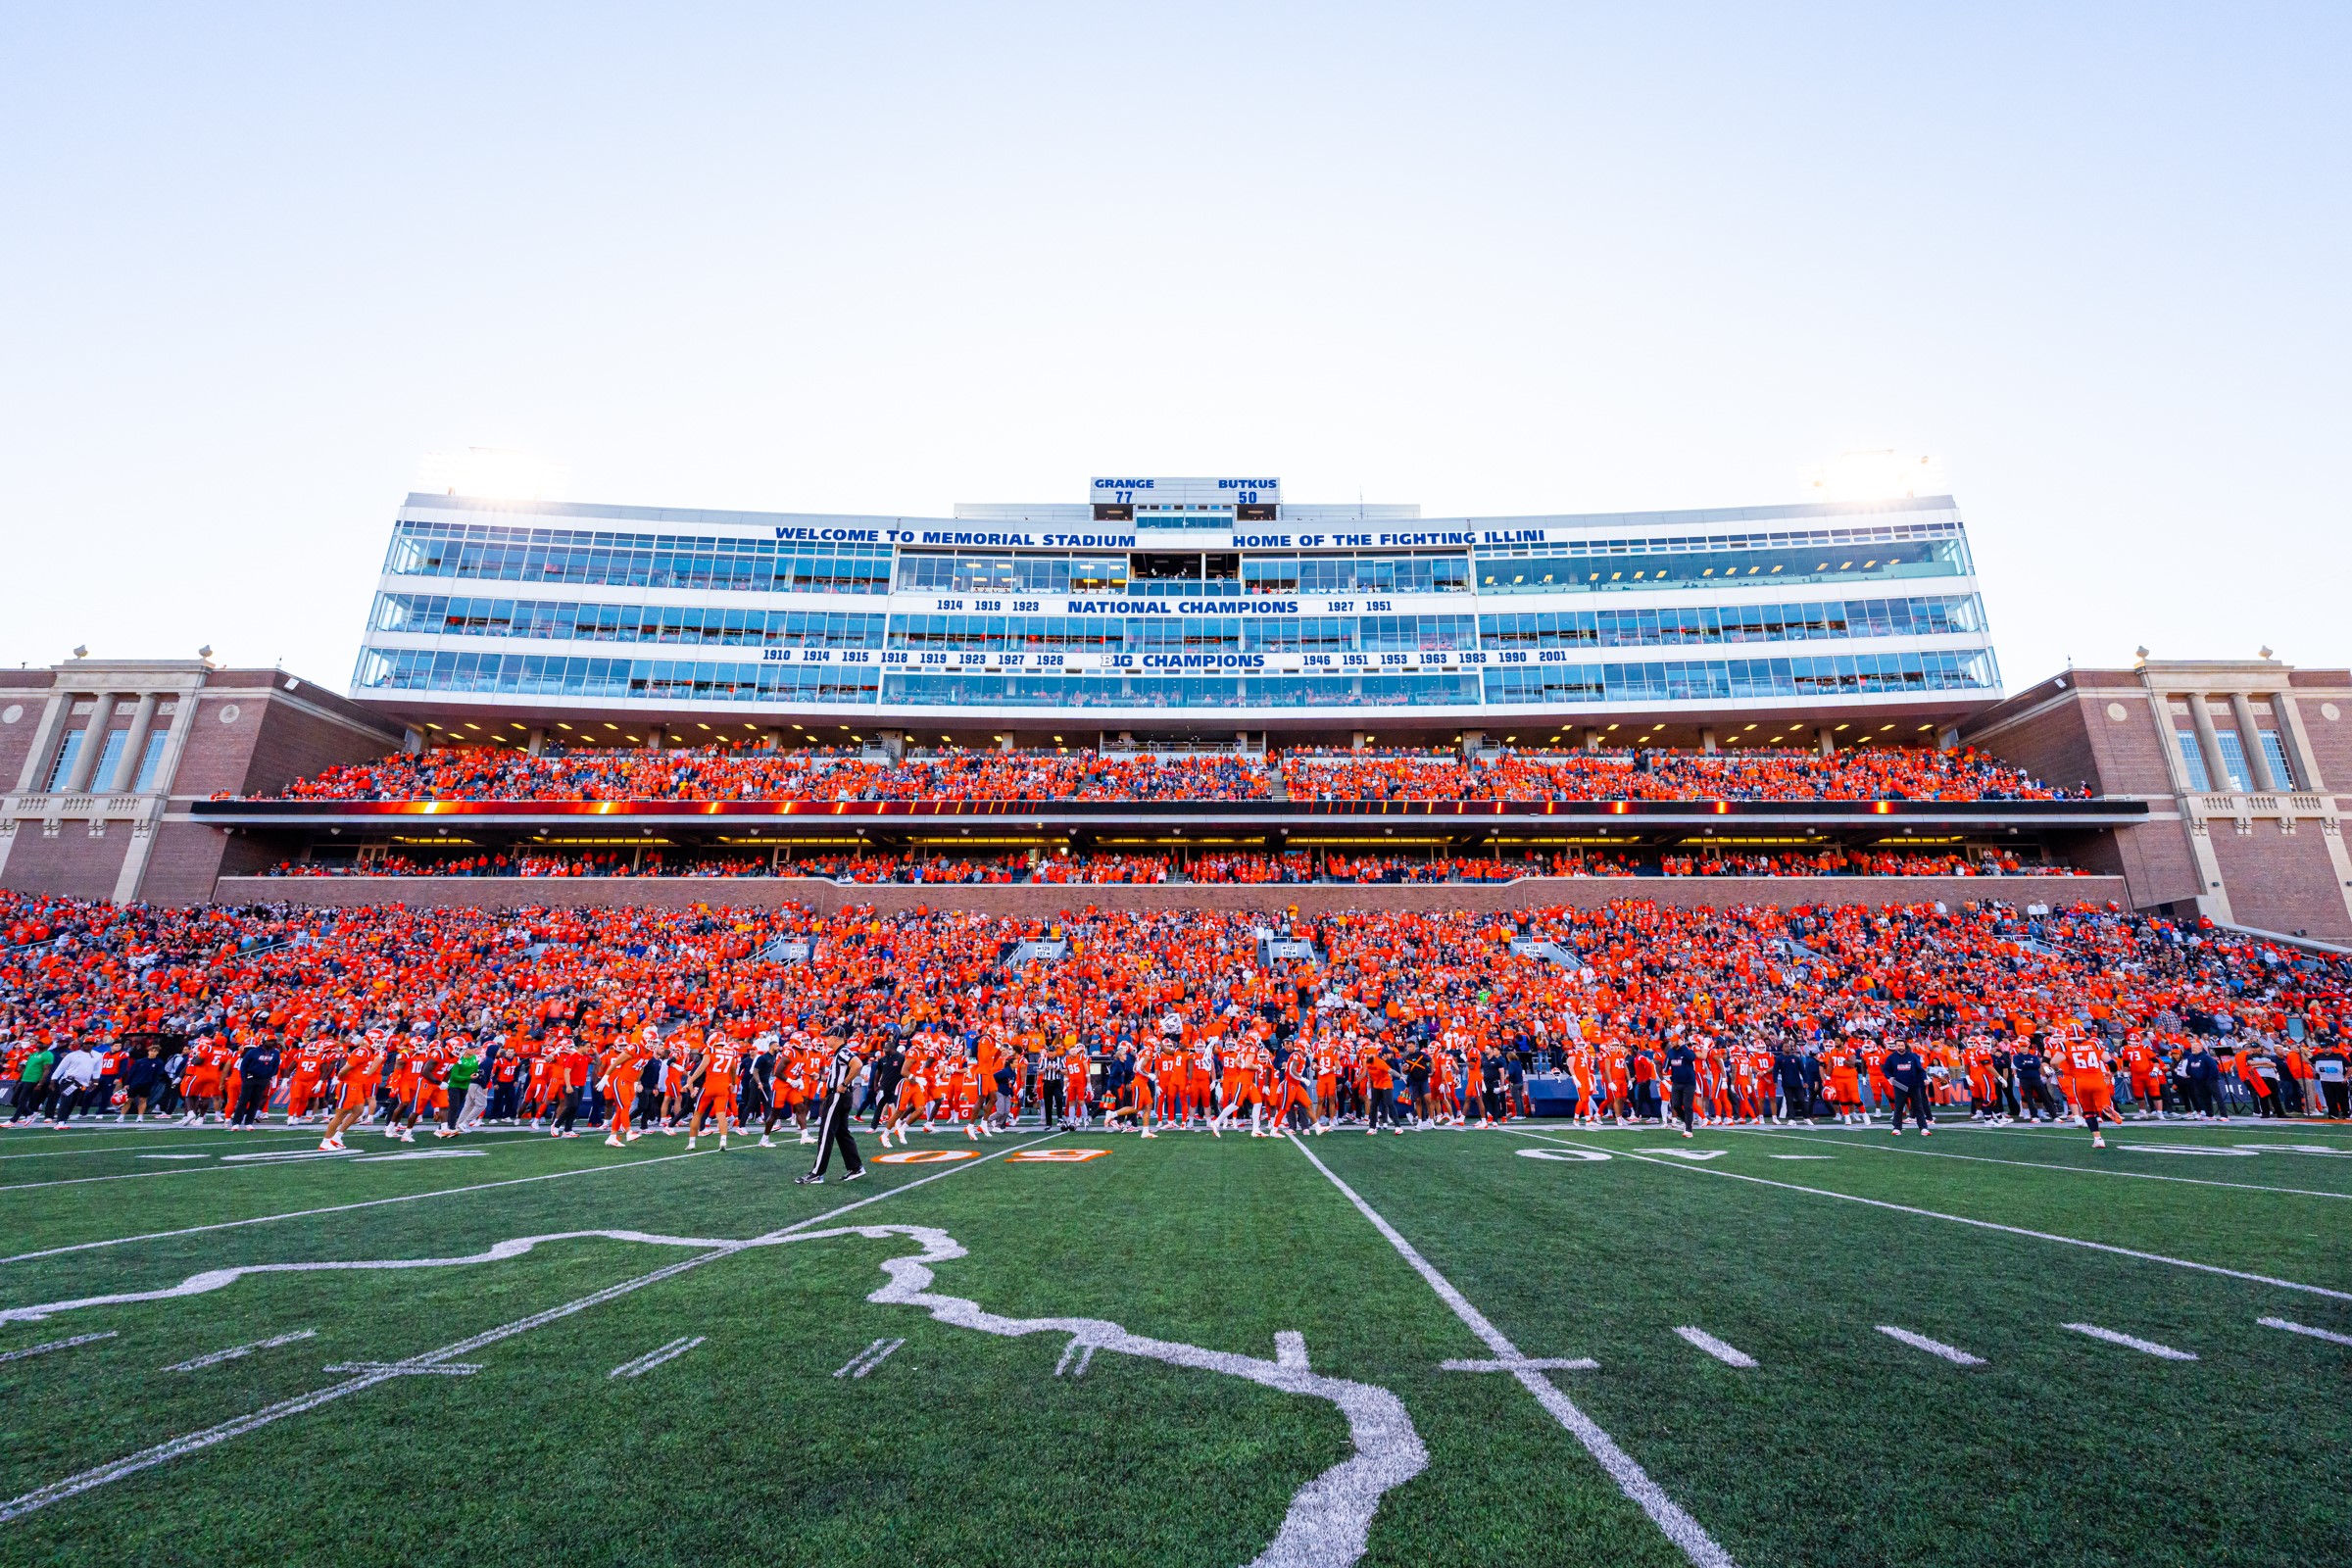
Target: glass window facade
pixel 1676 625
pixel 2273 750
pixel 1828 556
pixel 559 675
pixel 1723 680
pixel 921 689
pixel 578 557
pixel 564 621
pixel 2192 760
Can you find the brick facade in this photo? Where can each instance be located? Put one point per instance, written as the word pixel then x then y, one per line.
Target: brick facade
pixel 2271 858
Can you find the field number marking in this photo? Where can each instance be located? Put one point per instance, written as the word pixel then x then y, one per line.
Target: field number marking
pixel 1055 1156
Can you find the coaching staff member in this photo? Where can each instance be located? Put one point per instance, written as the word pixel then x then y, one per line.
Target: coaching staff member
pixel 1906 1074
pixel 1681 1082
pixel 840 1082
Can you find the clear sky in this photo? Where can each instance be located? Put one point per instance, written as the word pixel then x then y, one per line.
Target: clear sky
pixel 1494 259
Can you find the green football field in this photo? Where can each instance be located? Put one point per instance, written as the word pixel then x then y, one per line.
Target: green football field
pixel 1530 1346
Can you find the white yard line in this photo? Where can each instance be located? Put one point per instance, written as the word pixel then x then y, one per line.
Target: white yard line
pixel 1920 1342
pixel 2305 1329
pixel 238 1351
pixel 344 1209
pixel 1668 1515
pixel 654 1359
pixel 54 1345
pixel 1980 1224
pixel 195 1441
pixel 2145 1346
pixel 1919 1151
pixel 1728 1355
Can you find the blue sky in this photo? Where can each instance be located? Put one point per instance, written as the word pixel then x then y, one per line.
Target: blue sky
pixel 881 259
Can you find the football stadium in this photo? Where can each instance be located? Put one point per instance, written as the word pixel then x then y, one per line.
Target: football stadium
pixel 1553 900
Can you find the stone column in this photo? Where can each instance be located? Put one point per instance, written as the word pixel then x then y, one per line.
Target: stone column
pixel 653 738
pixel 126 771
pixel 535 742
pixel 2249 740
pixel 53 714
pixel 2298 744
pixel 93 741
pixel 2209 741
pixel 1829 742
pixel 183 720
pixel 1707 740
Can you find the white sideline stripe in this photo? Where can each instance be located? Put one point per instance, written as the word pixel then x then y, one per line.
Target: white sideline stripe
pixel 1985 1224
pixel 872 1357
pixel 55 1344
pixel 344 1209
pixel 1920 1342
pixel 136 1149
pixel 1728 1355
pixel 2304 1329
pixel 162 1453
pixel 654 1359
pixel 195 1363
pixel 2145 1346
pixel 1684 1530
pixel 1919 1152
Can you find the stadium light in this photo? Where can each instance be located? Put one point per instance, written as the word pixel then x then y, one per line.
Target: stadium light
pixel 1876 476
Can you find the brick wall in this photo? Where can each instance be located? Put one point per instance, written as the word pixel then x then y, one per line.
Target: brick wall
pixel 1042 901
pixel 2279 881
pixel 73 863
pixel 2315 692
pixel 26 692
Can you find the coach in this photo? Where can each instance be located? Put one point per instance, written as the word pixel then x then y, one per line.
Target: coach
pixel 1907 1073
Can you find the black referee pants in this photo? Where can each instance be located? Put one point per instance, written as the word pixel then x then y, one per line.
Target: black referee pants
pixel 834 1132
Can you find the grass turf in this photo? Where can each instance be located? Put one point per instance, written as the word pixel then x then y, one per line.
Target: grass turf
pixel 1839 1446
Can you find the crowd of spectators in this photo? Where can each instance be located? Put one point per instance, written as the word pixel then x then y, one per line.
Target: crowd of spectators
pixel 1220 867
pixel 497 773
pixel 98 1000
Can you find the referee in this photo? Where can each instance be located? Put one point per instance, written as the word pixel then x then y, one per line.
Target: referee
pixel 840 1082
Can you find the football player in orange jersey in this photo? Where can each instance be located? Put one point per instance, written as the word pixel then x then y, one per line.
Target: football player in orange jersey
pixel 1237 1083
pixel 721 1060
pixel 624 1064
pixel 2146 1070
pixel 363 1070
pixel 2086 1077
pixel 303 1083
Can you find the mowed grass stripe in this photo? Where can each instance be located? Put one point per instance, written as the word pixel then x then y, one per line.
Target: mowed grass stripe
pixel 1919 1149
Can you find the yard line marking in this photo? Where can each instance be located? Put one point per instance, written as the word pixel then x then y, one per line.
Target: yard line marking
pixel 1917 1152
pixel 2304 1329
pixel 1632 1480
pixel 874 1355
pixel 1531 1363
pixel 1289 1349
pixel 1996 1225
pixel 1801 1156
pixel 147 1458
pixel 164 1157
pixel 668 1353
pixel 1920 1342
pixel 282 1157
pixel 341 1208
pixel 404 1369
pixel 55 1344
pixel 236 1352
pixel 1728 1355
pixel 2147 1346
